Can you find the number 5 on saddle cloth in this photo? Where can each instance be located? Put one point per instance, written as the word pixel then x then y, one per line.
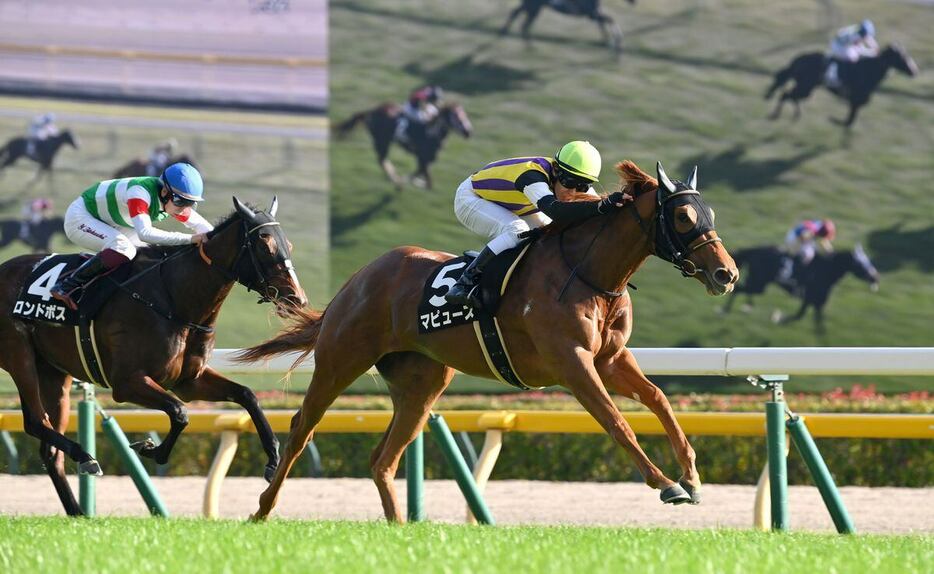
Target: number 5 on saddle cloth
pixel 435 313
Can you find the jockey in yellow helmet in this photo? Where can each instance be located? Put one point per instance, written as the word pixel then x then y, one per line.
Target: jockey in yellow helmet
pixel 510 196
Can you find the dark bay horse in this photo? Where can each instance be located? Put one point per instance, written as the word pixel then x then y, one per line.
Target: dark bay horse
pixel 46 150
pixel 589 9
pixel 859 80
pixel 761 267
pixel 578 342
pixel 40 234
pixel 381 122
pixel 138 167
pixel 155 336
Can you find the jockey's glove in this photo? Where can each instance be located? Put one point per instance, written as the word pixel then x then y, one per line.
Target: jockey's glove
pixel 614 201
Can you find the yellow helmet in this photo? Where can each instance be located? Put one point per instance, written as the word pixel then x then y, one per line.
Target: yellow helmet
pixel 579 158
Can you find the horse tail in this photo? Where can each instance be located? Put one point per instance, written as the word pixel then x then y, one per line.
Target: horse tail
pixel 345 127
pixel 301 335
pixel 781 78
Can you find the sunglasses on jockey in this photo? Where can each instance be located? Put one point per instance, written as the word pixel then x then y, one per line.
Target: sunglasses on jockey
pixel 179 201
pixel 571 181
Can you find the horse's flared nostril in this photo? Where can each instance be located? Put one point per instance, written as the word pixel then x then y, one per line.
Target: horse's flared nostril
pixel 724 276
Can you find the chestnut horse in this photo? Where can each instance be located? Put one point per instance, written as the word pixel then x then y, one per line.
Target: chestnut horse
pixel 155 335
pixel 558 332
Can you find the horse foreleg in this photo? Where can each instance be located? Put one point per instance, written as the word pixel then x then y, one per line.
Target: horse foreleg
pixel 530 15
pixel 612 35
pixel 512 17
pixel 142 390
pixel 777 110
pixel 212 386
pixel 622 375
pixel 798 314
pixel 580 376
pixel 390 170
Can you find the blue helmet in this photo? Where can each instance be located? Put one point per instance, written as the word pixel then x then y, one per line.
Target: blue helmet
pixel 866 28
pixel 183 180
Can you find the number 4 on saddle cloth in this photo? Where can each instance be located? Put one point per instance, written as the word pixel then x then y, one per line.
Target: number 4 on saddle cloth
pixel 435 313
pixel 35 300
pixel 35 303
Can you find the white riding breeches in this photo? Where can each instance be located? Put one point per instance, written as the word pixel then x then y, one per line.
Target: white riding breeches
pixel 490 220
pixel 91 233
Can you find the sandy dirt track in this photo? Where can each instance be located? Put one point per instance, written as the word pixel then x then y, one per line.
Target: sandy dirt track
pixel 878 510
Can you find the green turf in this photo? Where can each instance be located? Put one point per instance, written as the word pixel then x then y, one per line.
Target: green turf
pixel 254 167
pixel 688 90
pixel 152 545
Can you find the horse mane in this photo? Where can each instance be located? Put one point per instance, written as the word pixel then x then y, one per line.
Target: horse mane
pixel 633 180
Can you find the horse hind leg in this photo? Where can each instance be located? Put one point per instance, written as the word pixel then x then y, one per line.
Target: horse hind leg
pixel 334 372
pixel 54 389
pixel 415 383
pixel 18 359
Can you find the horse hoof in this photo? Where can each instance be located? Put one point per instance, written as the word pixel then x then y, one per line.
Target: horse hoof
pixel 143 445
pixel 91 467
pixel 694 493
pixel 674 494
pixel 256 518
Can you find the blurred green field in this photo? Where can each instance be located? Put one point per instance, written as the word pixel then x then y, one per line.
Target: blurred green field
pixel 128 545
pixel 238 153
pixel 687 90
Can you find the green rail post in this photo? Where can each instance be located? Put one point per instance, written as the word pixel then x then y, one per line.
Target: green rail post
pixel 465 480
pixel 11 452
pixel 467 449
pixel 415 479
pixel 133 465
pixel 821 474
pixel 315 470
pixel 775 442
pixel 87 496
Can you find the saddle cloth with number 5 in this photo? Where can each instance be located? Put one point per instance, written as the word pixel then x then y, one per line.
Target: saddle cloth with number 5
pixel 435 313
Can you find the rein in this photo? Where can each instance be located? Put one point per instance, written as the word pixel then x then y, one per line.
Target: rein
pixel 574 268
pixel 230 274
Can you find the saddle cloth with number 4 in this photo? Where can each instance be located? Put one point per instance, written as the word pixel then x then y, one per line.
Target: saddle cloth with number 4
pixel 35 301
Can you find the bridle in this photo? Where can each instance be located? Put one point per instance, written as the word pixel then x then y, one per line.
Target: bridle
pixel 253 278
pixel 669 244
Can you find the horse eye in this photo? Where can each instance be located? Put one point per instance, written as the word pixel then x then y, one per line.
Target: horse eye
pixel 683 217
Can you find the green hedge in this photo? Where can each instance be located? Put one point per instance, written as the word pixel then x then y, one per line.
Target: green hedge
pixel 581 457
pixel 564 457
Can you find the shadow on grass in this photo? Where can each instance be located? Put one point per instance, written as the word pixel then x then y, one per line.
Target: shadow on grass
pixel 742 173
pixel 893 248
pixel 466 76
pixel 342 225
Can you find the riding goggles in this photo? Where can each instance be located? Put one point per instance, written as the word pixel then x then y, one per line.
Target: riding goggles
pixel 572 181
pixel 180 201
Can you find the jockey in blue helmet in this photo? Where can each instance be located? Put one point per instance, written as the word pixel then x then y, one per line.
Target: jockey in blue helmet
pixel 115 216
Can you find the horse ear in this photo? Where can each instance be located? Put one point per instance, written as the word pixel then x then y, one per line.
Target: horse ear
pixel 274 207
pixel 692 180
pixel 664 183
pixel 244 210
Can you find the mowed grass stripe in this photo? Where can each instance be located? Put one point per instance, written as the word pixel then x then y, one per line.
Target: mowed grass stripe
pixel 176 545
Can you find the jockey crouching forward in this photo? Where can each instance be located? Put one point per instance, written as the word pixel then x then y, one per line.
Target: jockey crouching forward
pixel 511 196
pixel 114 217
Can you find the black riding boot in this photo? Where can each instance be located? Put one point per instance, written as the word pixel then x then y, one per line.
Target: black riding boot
pixel 463 292
pixel 79 278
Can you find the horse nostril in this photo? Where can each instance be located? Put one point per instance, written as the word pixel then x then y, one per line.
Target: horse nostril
pixel 724 276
